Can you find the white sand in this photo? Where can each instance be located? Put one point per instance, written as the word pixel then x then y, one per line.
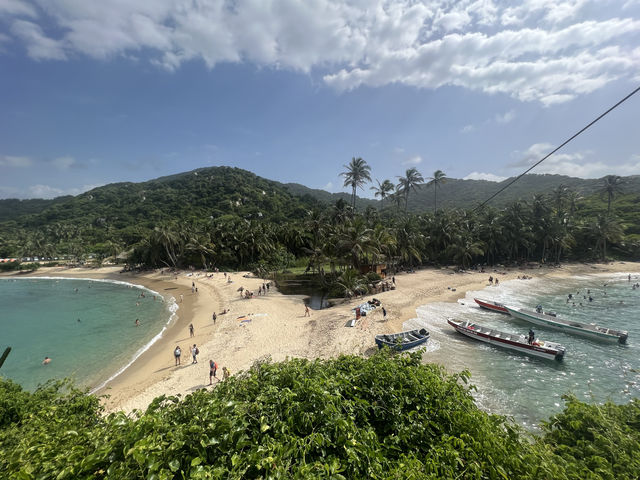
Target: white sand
pixel 277 327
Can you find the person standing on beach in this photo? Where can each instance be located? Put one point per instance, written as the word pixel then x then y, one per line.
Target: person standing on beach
pixel 214 316
pixel 306 311
pixel 177 353
pixel 191 333
pixel 181 298
pixel 194 353
pixel 225 373
pixel 213 367
pixel 384 313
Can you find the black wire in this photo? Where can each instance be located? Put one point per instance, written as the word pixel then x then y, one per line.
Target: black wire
pixel 555 150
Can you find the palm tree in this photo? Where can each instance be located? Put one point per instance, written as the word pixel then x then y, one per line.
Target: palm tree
pixel 612 185
pixel 352 283
pixel 606 229
pixel 439 177
pixel 355 242
pixel 464 248
pixel 384 189
pixel 357 174
pixel 412 180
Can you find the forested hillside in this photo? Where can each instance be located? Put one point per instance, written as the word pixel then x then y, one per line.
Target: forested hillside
pixel 231 218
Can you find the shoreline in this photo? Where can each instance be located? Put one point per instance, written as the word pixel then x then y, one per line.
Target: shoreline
pixel 274 325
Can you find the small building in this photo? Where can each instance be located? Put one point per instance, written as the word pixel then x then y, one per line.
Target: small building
pixel 379 268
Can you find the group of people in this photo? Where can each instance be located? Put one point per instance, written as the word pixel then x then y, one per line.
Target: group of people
pixel 262 290
pixel 491 280
pixel 195 351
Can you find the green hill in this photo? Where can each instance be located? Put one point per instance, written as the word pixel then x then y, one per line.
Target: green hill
pixel 198 194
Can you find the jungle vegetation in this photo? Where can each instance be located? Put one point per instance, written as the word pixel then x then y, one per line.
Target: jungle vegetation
pixel 231 219
pixel 384 417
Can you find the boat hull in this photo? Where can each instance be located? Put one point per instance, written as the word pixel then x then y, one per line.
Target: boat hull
pixel 403 340
pixel 491 305
pixel 546 350
pixel 575 328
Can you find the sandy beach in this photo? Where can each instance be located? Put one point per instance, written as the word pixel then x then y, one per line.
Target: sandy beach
pixel 274 325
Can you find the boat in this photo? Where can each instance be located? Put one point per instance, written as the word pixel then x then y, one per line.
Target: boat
pixel 551 320
pixel 491 305
pixel 403 340
pixel 512 341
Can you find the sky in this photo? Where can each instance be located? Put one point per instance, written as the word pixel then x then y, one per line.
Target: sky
pixel 97 92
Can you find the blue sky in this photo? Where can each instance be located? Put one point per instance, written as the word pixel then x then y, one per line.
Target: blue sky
pixel 100 92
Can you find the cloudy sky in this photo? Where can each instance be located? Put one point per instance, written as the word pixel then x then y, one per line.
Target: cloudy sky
pixel 95 92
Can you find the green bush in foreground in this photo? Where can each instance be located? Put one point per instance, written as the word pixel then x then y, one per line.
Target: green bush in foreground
pixel 350 417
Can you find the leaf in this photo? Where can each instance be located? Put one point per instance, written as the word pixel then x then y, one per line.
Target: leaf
pixel 174 465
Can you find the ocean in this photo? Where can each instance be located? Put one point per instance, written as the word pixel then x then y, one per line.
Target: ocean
pixel 87 328
pixel 530 389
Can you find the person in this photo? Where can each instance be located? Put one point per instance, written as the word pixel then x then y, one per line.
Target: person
pixel 46 361
pixel 214 316
pixel 268 285
pixel 490 279
pixel 225 373
pixel 213 368
pixel 177 353
pixel 306 311
pixel 497 281
pixel 191 332
pixel 532 336
pixel 181 298
pixel 393 279
pixel 194 353
pixel 539 308
pixel 137 322
pixel 384 313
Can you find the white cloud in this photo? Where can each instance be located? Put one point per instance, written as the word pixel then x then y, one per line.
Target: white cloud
pixel 64 163
pixel 506 117
pixel 47 191
pixel 17 7
pixel 328 187
pixel 415 160
pixel 540 50
pixel 39 46
pixel 575 164
pixel 500 118
pixel 484 176
pixel 18 162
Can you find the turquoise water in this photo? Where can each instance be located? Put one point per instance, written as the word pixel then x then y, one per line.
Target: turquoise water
pixel 530 389
pixel 87 328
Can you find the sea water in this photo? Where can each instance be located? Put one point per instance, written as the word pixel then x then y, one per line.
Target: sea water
pixel 86 327
pixel 527 388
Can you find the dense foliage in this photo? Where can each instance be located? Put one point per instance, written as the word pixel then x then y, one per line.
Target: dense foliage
pixel 383 417
pixel 229 218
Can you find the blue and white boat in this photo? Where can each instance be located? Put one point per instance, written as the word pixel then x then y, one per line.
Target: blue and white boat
pixel 403 340
pixel 551 320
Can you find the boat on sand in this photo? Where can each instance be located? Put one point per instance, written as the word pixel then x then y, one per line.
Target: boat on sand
pixel 403 340
pixel 491 305
pixel 551 320
pixel 512 341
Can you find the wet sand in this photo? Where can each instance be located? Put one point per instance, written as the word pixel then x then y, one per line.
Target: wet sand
pixel 274 326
